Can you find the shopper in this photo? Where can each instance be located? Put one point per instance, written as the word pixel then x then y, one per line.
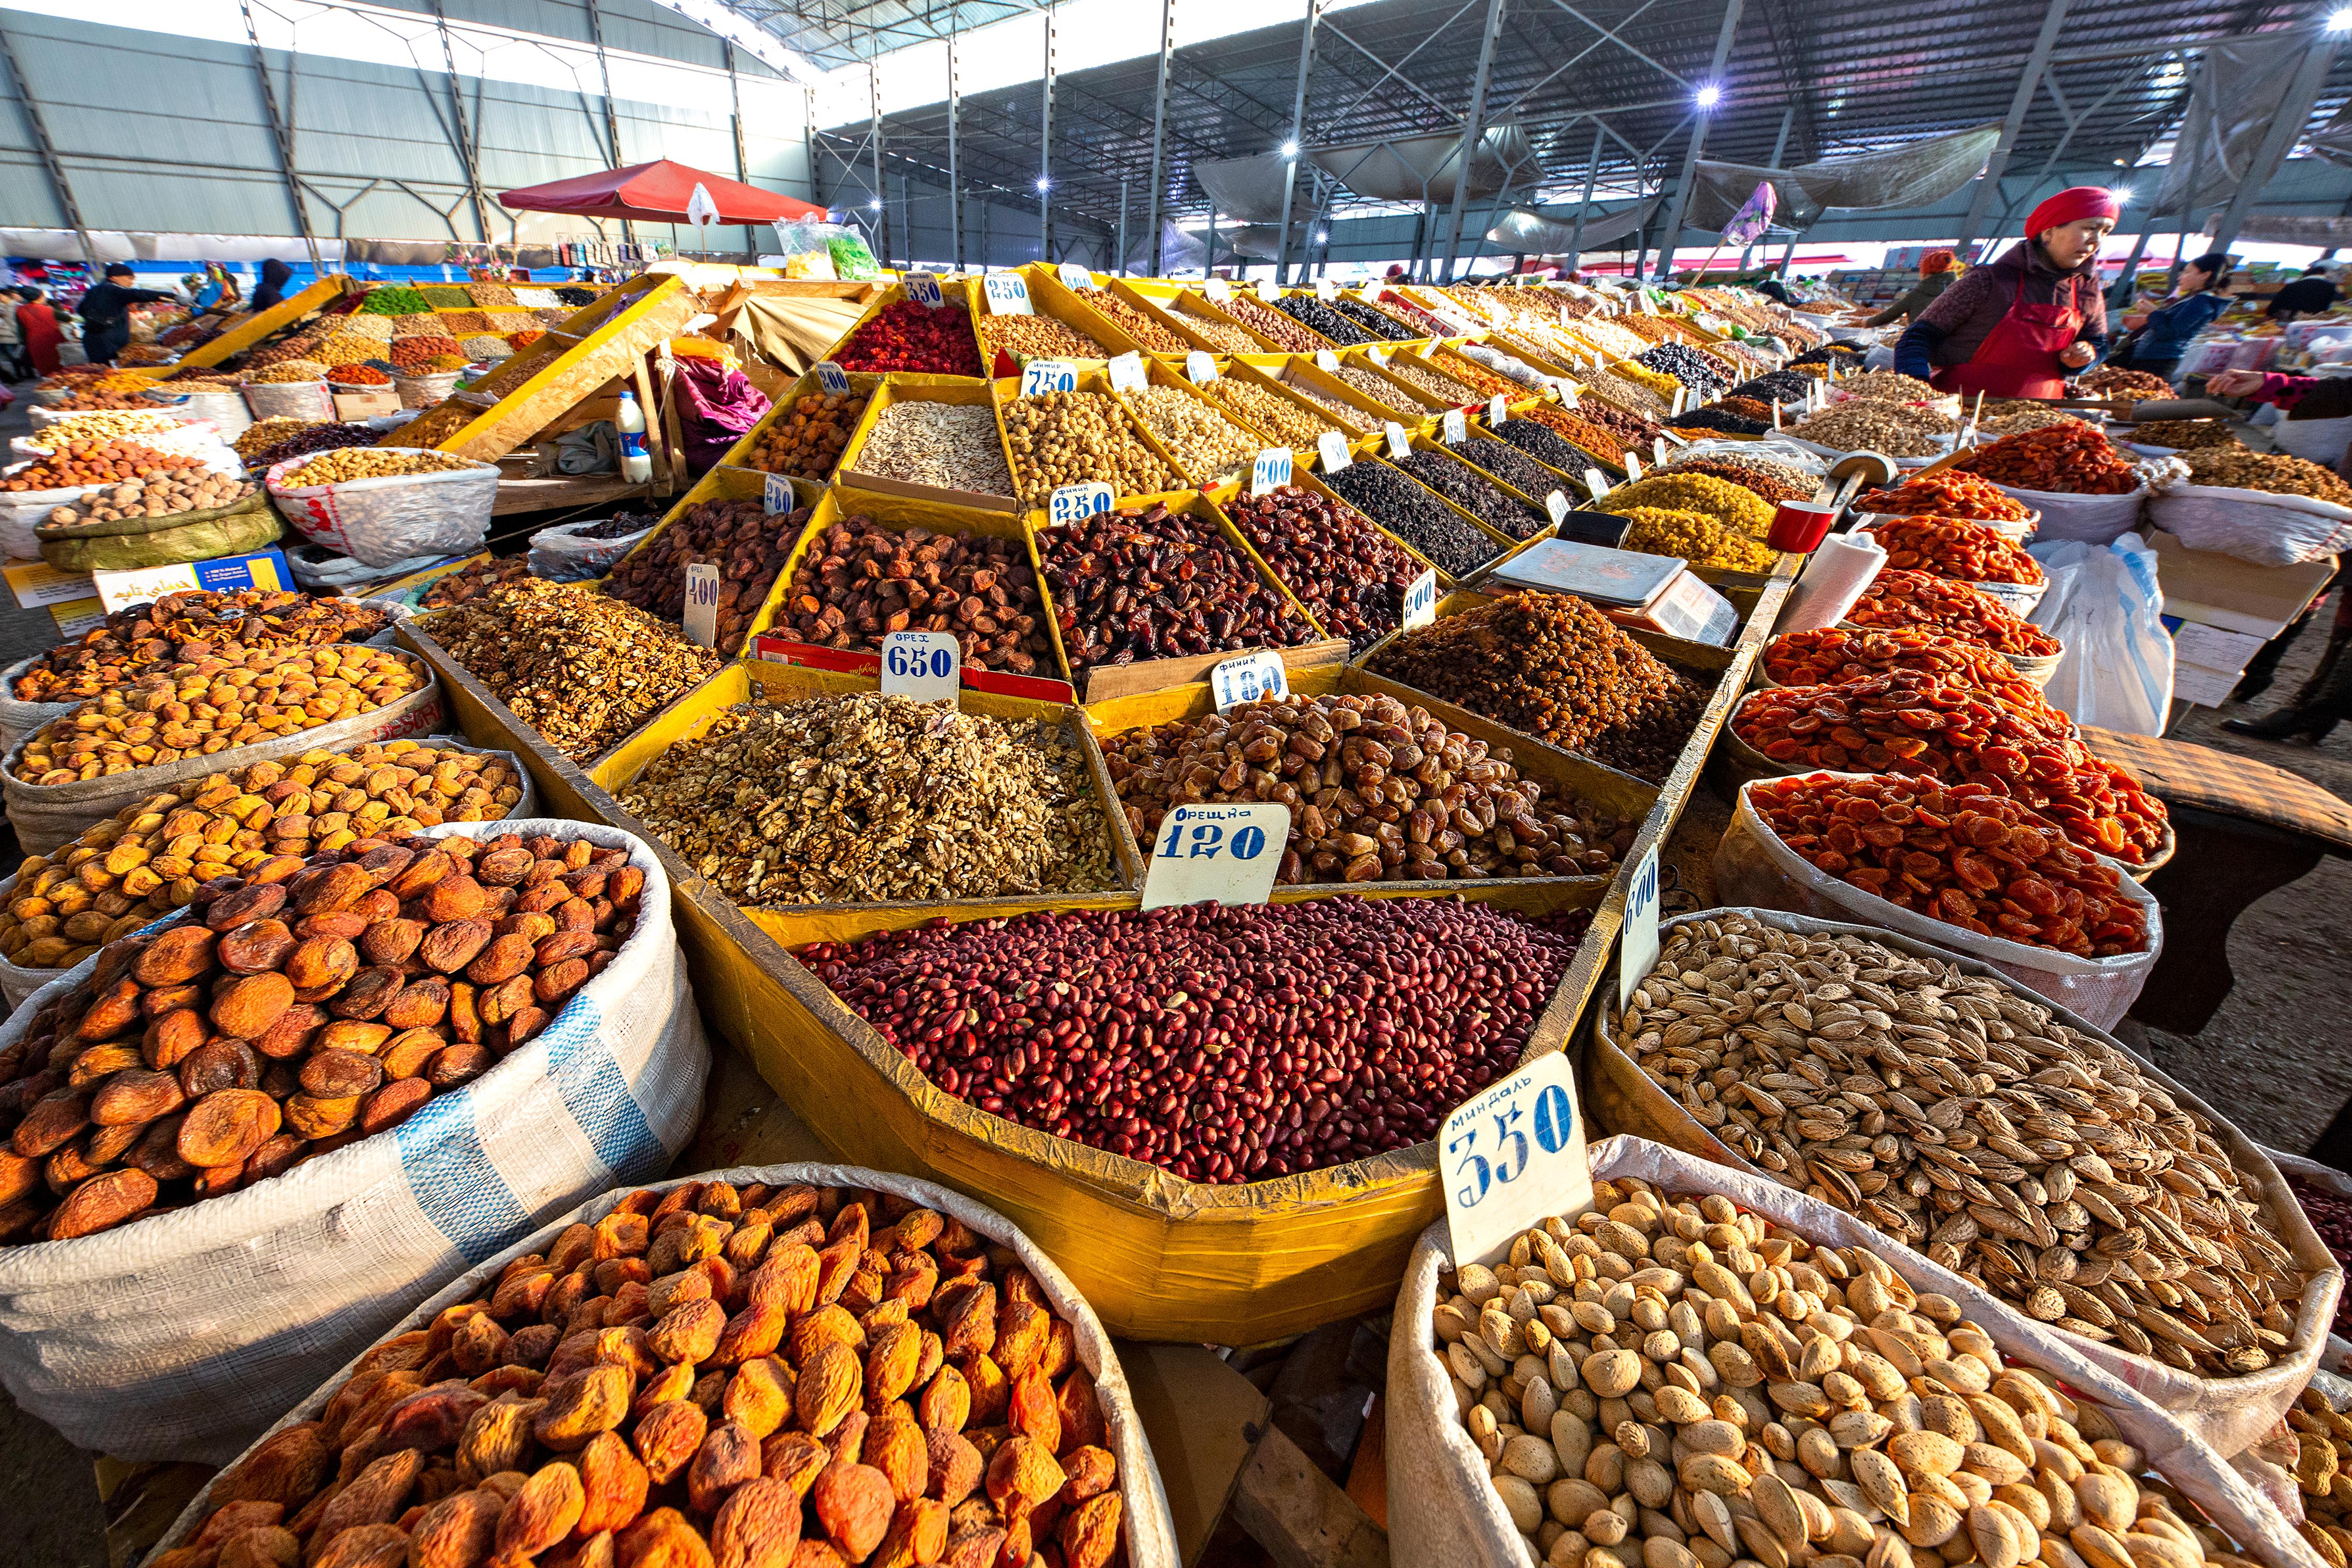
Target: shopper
pixel 106 313
pixel 38 322
pixel 275 276
pixel 1938 270
pixel 2312 294
pixel 2325 701
pixel 2157 346
pixel 2020 326
pixel 12 347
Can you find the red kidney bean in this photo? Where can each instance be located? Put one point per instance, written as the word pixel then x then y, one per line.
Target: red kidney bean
pixel 2330 1214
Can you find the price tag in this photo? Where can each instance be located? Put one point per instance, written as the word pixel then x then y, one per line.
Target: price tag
pixel 776 496
pixel 1224 853
pixel 1326 290
pixel 1567 393
pixel 1556 503
pixel 1326 360
pixel 923 288
pixel 1776 414
pixel 1455 427
pixel 1074 276
pixel 1596 483
pixel 1378 356
pixel 1075 502
pixel 1498 408
pixel 1269 291
pixel 702 603
pixel 1047 376
pixel 1658 450
pixel 1398 442
pixel 1677 440
pixel 1248 679
pixel 1008 294
pixel 1632 464
pixel 1638 944
pixel 832 379
pixel 925 665
pixel 1682 401
pixel 1127 373
pixel 1647 308
pixel 1217 289
pixel 1513 1157
pixel 1420 600
pixel 1271 471
pixel 1200 367
pixel 1332 448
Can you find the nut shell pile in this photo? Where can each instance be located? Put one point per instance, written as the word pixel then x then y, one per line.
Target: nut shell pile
pixel 300 1010
pixel 192 623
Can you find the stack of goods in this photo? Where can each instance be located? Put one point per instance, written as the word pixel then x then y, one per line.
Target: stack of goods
pixel 1156 768
pixel 1378 323
pixel 1661 388
pixel 1275 327
pixel 1630 395
pixel 485 348
pixel 2011 416
pixel 1607 433
pixel 859 581
pixel 1721 417
pixel 1154 584
pixel 1207 448
pixel 1224 334
pixel 189 625
pixel 2070 459
pixel 1037 336
pixel 1349 575
pixel 392 299
pixel 806 439
pixel 1506 365
pixel 1444 388
pixel 582 668
pixel 288 372
pixel 156 855
pixel 2236 468
pixel 1832 655
pixel 79 463
pixel 1735 506
pixel 1466 488
pixel 361 375
pixel 1695 538
pixel 152 420
pixel 1398 961
pixel 202 705
pixel 1947 492
pixel 2109 382
pixel 1270 414
pixel 1453 542
pixel 166 496
pixel 1073 437
pixel 1556 667
pixel 473 579
pixel 1773 386
pixel 1771 481
pixel 1873 424
pixel 1953 547
pixel 2178 434
pixel 1694 369
pixel 747 546
pixel 1915 599
pixel 947 445
pixel 344 466
pixel 1345 416
pixel 97 397
pixel 1325 321
pixel 1480 380
pixel 1888 386
pixel 1147 333
pixel 426 355
pixel 1405 310
pixel 929 339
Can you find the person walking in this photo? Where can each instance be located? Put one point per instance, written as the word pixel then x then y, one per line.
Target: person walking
pixel 1938 270
pixel 106 313
pixel 37 321
pixel 2020 325
pixel 275 276
pixel 2312 294
pixel 12 349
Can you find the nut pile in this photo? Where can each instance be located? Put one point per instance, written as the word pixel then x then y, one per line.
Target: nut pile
pixel 1453 542
pixel 1955 547
pixel 1224 334
pixel 1628 394
pixel 1072 438
pixel 933 339
pixel 1179 1051
pixel 192 623
pixel 149 420
pixel 1693 537
pixel 474 578
pixel 166 496
pixel 1468 489
pixel 1894 430
pixel 1837 654
pixel 1149 334
pixel 859 581
pixel 1351 576
pixel 1380 391
pixel 2276 472
pixel 1207 447
pixel 1554 666
pixel 1915 598
pixel 1947 492
pixel 948 446
pixel 79 463
pixel 2185 433
pixel 750 1377
pixel 1376 790
pixel 583 669
pixel 1157 584
pixel 1276 327
pixel 1038 337
pixel 2108 382
pixel 748 547
pixel 807 441
pixel 347 464
pixel 1351 420
pixel 1424 324
pixel 2322 1461
pixel 1270 412
pixel 1670 1380
pixel 314 438
pixel 298 1010
pixel 870 798
pixel 264 433
pixel 153 856
pixel 200 707
pixel 2073 459
pixel 1444 388
pixel 2076 1186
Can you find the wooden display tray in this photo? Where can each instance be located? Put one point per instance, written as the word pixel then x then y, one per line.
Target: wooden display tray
pixel 260 325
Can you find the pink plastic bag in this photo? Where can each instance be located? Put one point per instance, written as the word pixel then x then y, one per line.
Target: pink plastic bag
pixel 716 405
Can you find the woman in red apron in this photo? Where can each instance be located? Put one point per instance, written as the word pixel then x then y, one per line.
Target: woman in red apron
pixel 2020 326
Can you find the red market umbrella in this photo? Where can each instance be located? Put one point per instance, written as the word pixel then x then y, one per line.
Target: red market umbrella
pixel 660 192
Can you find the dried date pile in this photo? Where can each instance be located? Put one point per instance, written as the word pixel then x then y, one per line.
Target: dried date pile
pixel 1157 584
pixel 752 1376
pixel 747 544
pixel 869 799
pixel 1556 667
pixel 860 581
pixel 299 1009
pixel 195 624
pixel 1376 790
pixel 1351 576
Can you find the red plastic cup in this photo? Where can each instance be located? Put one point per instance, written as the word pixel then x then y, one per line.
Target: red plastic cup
pixel 1799 526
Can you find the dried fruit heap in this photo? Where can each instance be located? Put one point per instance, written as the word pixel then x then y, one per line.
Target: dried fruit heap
pixel 1156 585
pixel 300 1010
pixel 742 539
pixel 1954 547
pixel 1962 854
pixel 2072 459
pixel 1897 598
pixel 859 581
pixel 195 624
pixel 706 1375
pixel 807 441
pixel 1947 492
pixel 1836 654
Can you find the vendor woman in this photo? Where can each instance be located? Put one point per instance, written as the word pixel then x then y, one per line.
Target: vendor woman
pixel 2020 326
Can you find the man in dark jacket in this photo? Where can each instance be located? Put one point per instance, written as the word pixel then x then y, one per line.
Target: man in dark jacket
pixel 106 313
pixel 2310 295
pixel 275 276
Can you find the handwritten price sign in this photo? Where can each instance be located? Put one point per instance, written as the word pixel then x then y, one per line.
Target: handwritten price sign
pixel 1077 503
pixel 1008 294
pixel 1225 854
pixel 924 665
pixel 1251 678
pixel 1512 1156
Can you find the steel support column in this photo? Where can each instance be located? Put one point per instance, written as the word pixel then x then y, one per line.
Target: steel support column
pixel 874 143
pixel 611 120
pixel 1159 134
pixel 1118 262
pixel 1681 207
pixel 955 176
pixel 1473 127
pixel 56 171
pixel 2286 128
pixel 2028 81
pixel 1591 172
pixel 1779 150
pixel 1297 140
pixel 283 138
pixel 1045 150
pixel 742 160
pixel 466 153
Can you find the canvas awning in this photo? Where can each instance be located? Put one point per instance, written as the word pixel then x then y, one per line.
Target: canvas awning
pixel 658 193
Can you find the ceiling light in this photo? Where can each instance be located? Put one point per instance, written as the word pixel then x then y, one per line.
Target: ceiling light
pixel 2123 195
pixel 1322 234
pixel 2340 21
pixel 1290 150
pixel 1043 184
pixel 876 203
pixel 1708 96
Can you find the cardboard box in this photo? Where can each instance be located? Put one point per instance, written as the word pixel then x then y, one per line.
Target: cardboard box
pixel 2208 661
pixel 2221 590
pixel 351 406
pixel 35 583
pixel 264 569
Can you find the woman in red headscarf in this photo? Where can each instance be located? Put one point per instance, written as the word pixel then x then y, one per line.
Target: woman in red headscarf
pixel 2020 326
pixel 1938 270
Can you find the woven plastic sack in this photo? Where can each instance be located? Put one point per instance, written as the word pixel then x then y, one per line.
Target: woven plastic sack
pixel 184 1336
pixel 289 399
pixel 560 555
pixel 1145 1524
pixel 225 410
pixel 18 982
pixel 2095 520
pixel 48 815
pixel 381 522
pixel 21 511
pixel 1444 1513
pixel 1752 866
pixel 2252 525
pixel 137 542
pixel 2338 1357
pixel 2322 441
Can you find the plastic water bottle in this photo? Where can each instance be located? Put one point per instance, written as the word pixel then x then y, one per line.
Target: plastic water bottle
pixel 636 463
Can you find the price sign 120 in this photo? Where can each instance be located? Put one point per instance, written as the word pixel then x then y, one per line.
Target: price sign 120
pixel 1228 854
pixel 1513 1157
pixel 925 665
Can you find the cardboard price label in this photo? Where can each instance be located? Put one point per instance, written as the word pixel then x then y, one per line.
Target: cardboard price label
pixel 1074 277
pixel 1049 376
pixel 925 665
pixel 923 288
pixel 1271 471
pixel 1326 360
pixel 1567 398
pixel 1596 483
pixel 1332 448
pixel 1250 678
pixel 1512 1156
pixel 1456 427
pixel 1217 289
pixel 1269 291
pixel 1223 853
pixel 1632 464
pixel 1682 401
pixel 702 603
pixel 1498 408
pixel 1200 367
pixel 1421 601
pixel 1637 949
pixel 1378 356
pixel 1008 294
pixel 832 379
pixel 1555 504
pixel 1077 503
pixel 776 496
pixel 1127 373
pixel 1326 290
pixel 1398 442
pixel 1658 450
